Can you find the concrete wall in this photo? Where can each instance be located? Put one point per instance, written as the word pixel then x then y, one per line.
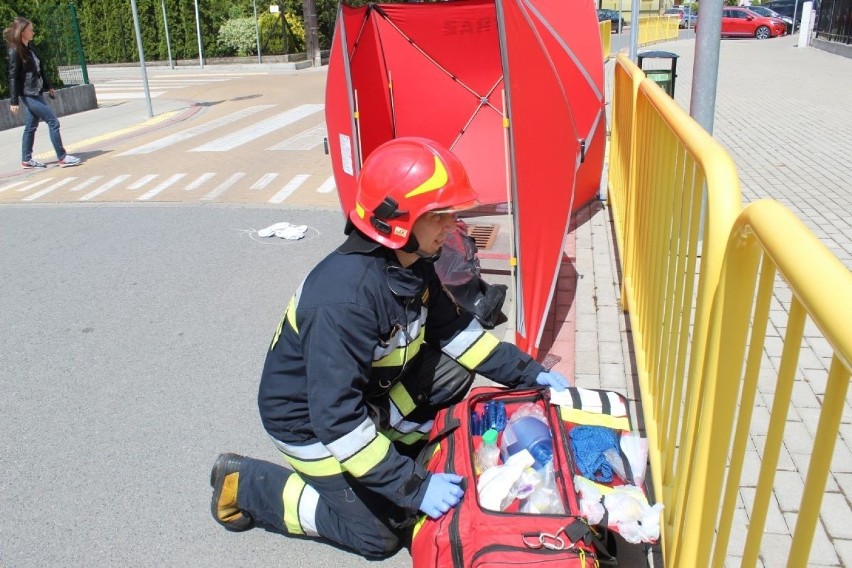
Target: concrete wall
pixel 68 101
pixel 832 47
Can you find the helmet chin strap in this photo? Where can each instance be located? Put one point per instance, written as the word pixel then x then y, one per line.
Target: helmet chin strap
pixel 429 257
pixel 412 246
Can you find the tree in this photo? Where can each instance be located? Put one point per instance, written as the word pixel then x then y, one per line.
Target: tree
pixel 237 35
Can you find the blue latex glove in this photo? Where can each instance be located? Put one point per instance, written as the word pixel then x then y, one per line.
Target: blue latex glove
pixel 552 379
pixel 442 494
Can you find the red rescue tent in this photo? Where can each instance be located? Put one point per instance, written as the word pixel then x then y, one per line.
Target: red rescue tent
pixel 513 87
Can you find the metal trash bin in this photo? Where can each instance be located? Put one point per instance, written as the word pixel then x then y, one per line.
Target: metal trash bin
pixel 662 76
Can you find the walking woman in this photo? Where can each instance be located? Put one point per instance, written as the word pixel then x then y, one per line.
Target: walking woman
pixel 27 82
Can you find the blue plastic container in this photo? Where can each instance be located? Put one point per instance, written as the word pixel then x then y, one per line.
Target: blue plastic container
pixel 529 433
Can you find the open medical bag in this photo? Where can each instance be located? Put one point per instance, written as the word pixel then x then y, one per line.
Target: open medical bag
pixel 471 535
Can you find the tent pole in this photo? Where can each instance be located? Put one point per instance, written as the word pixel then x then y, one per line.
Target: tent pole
pixel 392 107
pixel 510 210
pixel 357 116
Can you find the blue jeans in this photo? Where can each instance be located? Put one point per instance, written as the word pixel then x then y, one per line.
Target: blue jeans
pixel 37 110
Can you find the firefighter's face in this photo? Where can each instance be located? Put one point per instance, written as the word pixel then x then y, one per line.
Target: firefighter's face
pixel 431 229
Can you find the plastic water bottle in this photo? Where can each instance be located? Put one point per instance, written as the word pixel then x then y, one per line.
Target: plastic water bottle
pixel 488 454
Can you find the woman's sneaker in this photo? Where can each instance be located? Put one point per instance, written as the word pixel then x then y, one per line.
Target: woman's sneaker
pixel 32 164
pixel 69 161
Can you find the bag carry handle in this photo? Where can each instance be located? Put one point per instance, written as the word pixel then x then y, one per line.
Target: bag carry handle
pixel 451 424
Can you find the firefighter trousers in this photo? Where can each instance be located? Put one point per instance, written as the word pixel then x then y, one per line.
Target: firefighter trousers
pixel 336 507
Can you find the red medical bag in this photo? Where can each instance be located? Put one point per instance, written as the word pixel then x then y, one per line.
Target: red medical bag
pixel 470 536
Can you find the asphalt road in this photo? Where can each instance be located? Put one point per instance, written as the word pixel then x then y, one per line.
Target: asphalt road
pixel 133 329
pixel 132 342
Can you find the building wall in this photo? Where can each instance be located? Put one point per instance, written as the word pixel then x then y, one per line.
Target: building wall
pixel 646 7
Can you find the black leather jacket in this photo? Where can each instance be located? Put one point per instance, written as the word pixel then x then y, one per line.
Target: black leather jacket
pixel 24 77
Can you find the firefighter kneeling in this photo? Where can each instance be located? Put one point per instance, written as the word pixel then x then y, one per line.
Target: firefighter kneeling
pixel 368 350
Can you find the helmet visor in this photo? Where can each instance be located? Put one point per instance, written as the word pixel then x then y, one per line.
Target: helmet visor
pixel 457 208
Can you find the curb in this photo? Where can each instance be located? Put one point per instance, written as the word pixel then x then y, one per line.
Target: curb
pixel 102 140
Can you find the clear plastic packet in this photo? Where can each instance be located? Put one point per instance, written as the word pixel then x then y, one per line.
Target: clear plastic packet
pixel 545 499
pixel 590 503
pixel 635 448
pixel 528 409
pixel 495 484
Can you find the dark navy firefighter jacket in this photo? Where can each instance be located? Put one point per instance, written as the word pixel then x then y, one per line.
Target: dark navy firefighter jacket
pixel 345 336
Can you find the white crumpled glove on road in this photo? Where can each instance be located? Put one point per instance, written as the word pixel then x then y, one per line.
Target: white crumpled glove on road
pixel 284 231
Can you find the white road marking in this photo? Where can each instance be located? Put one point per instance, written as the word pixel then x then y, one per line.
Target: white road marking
pixel 264 181
pixel 327 186
pixel 223 187
pixel 291 186
pixel 305 140
pixel 160 80
pixel 34 184
pixel 163 185
pixel 202 75
pixel 142 181
pixel 105 187
pixel 49 188
pixel 199 181
pixel 126 95
pixel 195 131
pixel 249 133
pixel 86 183
pixel 11 185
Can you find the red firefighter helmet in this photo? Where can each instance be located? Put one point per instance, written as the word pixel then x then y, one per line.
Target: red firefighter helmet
pixel 403 179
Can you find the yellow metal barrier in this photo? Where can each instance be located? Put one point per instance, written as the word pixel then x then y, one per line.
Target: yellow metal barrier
pixel 605 28
pixel 653 29
pixel 672 161
pixel 694 314
pixel 766 240
pixel 627 77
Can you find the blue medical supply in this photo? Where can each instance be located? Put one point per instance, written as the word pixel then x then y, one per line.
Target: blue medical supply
pixel 490 415
pixel 589 444
pixel 532 434
pixel 476 428
pixel 500 422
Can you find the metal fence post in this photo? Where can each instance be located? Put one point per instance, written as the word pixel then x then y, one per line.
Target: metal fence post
pixel 80 54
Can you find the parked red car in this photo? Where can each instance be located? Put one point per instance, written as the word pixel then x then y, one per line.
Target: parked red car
pixel 742 22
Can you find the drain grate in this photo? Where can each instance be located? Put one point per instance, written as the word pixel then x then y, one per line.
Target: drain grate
pixel 483 235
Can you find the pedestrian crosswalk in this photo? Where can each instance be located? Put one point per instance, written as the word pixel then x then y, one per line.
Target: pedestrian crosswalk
pixel 305 140
pixel 238 176
pixel 254 131
pixel 158 84
pixel 181 186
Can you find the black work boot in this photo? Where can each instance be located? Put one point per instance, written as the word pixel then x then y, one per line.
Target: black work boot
pixel 225 479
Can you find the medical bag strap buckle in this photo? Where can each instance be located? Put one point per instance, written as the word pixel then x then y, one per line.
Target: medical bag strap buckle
pixel 580 530
pixel 549 541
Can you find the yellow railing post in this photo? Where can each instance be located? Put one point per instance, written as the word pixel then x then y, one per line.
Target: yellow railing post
pixel 605 29
pixel 627 77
